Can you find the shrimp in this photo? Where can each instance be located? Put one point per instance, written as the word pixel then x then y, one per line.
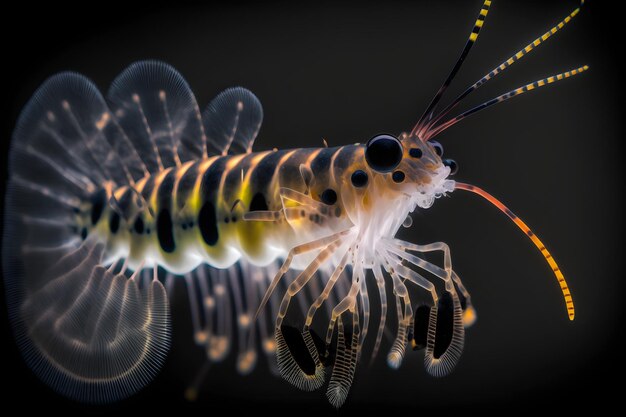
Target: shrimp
pixel 111 200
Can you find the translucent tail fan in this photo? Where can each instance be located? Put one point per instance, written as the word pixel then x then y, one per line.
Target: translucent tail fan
pixel 91 334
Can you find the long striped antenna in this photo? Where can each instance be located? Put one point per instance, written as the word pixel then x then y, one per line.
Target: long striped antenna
pixel 500 68
pixel 504 97
pixel 480 20
pixel 567 295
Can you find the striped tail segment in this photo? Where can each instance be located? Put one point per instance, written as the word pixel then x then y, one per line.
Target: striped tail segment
pixel 513 93
pixel 504 65
pixel 567 295
pixel 480 20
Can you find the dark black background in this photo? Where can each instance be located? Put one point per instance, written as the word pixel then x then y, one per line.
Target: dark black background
pixel 345 72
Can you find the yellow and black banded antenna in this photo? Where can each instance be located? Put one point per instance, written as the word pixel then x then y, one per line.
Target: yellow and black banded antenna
pixel 500 68
pixel 428 113
pixel 431 133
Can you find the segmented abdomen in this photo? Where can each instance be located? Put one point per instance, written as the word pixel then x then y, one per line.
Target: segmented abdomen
pixel 187 215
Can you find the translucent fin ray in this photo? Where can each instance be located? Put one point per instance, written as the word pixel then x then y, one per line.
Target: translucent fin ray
pixel 66 134
pixel 232 121
pixel 91 335
pixel 156 108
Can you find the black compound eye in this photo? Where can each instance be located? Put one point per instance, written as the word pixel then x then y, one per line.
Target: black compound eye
pixel 454 167
pixel 383 153
pixel 437 146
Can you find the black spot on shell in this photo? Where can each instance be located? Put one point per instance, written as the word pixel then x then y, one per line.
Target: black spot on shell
pixel 83 233
pixel 139 226
pixel 165 231
pixel 329 196
pixel 98 201
pixel 207 221
pixel 114 222
pixel 359 178
pixel 415 153
pixel 397 176
pixel 258 203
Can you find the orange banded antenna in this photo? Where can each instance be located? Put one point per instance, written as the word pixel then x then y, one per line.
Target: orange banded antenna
pixel 567 295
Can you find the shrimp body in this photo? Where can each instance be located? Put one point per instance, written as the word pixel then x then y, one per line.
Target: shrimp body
pixel 110 200
pixel 254 206
pixel 201 208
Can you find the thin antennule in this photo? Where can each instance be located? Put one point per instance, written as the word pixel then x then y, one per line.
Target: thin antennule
pixel 500 68
pixel 567 295
pixel 480 20
pixel 513 93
